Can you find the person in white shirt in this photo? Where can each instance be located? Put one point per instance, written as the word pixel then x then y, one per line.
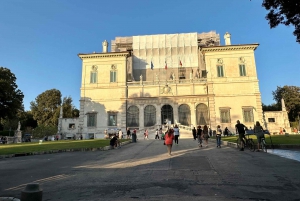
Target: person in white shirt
pixel 176 134
pixel 120 134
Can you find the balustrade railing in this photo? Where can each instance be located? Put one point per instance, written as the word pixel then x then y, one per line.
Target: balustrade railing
pixel 164 82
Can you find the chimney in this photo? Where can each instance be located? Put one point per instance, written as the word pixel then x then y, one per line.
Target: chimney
pixel 104 46
pixel 227 38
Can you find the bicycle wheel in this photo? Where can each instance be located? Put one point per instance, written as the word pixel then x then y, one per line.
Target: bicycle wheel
pixel 263 145
pixel 238 143
pixel 251 145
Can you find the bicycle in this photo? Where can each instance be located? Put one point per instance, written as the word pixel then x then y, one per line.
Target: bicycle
pixel 249 143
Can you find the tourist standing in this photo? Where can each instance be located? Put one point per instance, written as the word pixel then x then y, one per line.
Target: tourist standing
pixel 176 133
pixel 240 129
pixel 210 132
pixel 259 131
pixel 218 136
pixel 156 134
pixel 169 137
pixel 120 134
pixel 146 134
pixel 194 132
pixel 205 135
pixel 128 133
pixel 199 136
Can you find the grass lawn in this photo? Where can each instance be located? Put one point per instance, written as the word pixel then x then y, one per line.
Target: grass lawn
pixel 28 147
pixel 276 139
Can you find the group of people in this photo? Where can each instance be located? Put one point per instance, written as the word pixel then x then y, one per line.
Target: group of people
pixel 3 140
pixel 202 134
pixel 241 130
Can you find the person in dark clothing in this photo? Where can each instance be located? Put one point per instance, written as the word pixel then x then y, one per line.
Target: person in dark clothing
pixel 240 129
pixel 194 131
pixel 199 136
pixel 114 142
pixel 226 132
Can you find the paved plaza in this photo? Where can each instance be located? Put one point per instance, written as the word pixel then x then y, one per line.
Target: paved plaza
pixel 144 171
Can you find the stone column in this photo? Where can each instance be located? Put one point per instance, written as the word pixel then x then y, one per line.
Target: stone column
pixel 193 114
pixel 175 113
pixel 158 114
pixel 141 117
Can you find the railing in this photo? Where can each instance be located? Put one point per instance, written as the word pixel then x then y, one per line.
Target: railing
pixel 164 82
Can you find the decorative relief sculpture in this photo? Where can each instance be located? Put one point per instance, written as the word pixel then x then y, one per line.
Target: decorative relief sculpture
pixel 166 90
pixel 220 61
pixel 94 68
pixel 113 67
pixel 242 59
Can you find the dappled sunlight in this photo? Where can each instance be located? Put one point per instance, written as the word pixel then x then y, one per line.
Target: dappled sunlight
pixel 136 162
pixel 40 181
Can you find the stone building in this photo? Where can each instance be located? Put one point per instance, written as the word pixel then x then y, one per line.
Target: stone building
pixel 187 79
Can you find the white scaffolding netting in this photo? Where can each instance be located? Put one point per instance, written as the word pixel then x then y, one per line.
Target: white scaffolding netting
pixel 165 48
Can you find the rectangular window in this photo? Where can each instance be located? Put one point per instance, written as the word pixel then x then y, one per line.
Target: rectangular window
pixel 242 70
pixel 220 71
pixel 204 73
pixel 93 77
pixel 91 120
pixel 271 120
pixel 113 76
pixel 225 115
pixel 248 115
pixel 112 119
pixel 71 126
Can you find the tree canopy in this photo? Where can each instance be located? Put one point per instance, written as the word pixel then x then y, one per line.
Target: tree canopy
pixel 45 108
pixel 285 12
pixel 11 98
pixel 291 96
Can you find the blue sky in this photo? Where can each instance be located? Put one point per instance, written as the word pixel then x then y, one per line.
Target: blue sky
pixel 40 40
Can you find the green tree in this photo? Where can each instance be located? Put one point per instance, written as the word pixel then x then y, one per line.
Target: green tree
pixel 45 108
pixel 11 98
pixel 285 12
pixel 42 131
pixel 69 110
pixel 291 96
pixel 271 107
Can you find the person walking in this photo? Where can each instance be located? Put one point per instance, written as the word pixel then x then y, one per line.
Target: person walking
pixel 194 132
pixel 146 134
pixel 156 134
pixel 169 137
pixel 210 132
pixel 240 129
pixel 205 135
pixel 176 133
pixel 218 136
pixel 259 131
pixel 199 136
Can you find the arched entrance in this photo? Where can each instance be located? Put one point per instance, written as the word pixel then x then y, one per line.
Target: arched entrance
pixel 167 114
pixel 202 114
pixel 184 114
pixel 133 116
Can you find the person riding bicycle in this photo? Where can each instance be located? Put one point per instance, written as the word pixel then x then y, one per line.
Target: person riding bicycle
pixel 240 129
pixel 259 131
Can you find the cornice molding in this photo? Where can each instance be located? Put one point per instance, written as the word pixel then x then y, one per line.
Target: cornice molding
pixel 103 55
pixel 229 48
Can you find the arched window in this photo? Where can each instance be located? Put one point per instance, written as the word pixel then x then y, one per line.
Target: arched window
pixel 149 116
pixel 133 116
pixel 184 113
pixel 202 114
pixel 167 114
